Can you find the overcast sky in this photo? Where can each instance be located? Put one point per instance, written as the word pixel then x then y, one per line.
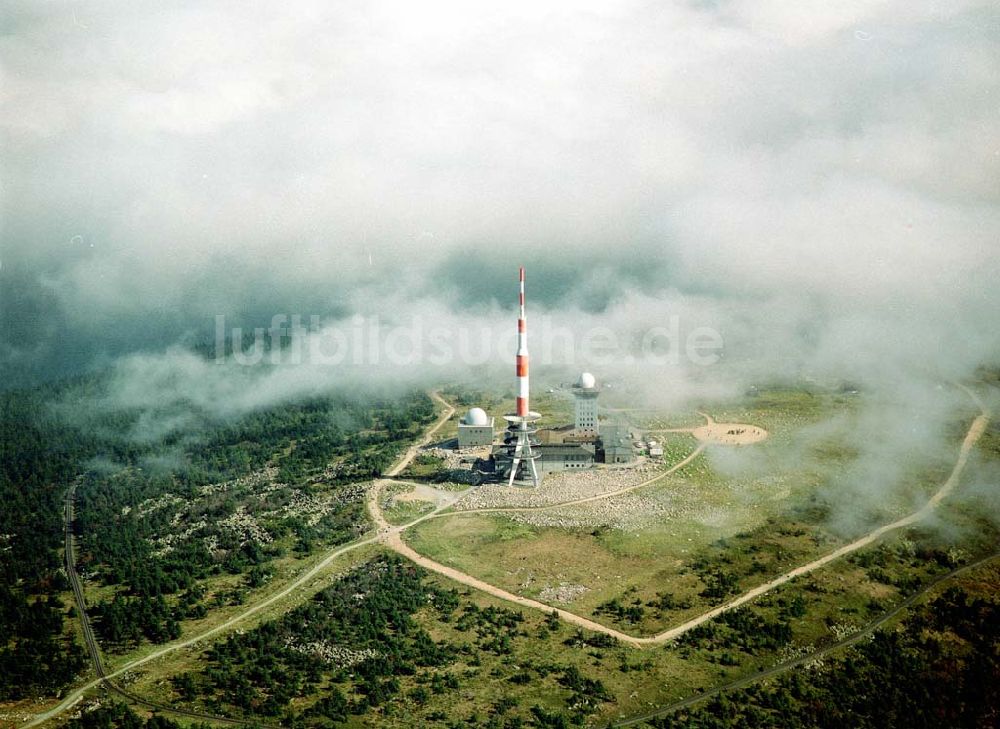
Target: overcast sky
pixel 818 181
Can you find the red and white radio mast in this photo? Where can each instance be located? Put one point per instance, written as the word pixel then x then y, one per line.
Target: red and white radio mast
pixel 521 430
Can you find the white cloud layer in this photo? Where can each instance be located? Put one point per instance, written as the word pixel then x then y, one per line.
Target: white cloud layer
pixel 768 167
pixel 818 182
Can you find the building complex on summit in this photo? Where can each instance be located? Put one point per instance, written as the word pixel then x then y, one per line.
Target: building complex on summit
pixel 523 453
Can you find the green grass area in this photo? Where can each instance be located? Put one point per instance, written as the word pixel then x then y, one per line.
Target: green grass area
pixel 556 409
pixel 633 567
pixel 424 466
pixel 818 610
pixel 403 512
pixel 532 674
pixel 664 569
pixel 648 420
pixel 709 505
pixel 742 517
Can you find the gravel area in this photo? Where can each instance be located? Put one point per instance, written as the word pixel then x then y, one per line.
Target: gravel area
pixel 673 501
pixel 557 488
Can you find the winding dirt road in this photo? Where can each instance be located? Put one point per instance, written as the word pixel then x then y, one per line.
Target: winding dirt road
pixel 74 696
pixel 392 537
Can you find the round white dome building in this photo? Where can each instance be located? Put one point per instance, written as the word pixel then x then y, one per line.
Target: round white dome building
pixel 475 429
pixel 476 416
pixel 587 381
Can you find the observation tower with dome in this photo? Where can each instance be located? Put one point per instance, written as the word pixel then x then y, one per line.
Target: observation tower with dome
pixel 585 393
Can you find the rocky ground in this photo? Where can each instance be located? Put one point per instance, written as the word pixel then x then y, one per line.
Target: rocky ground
pixel 557 488
pixel 673 500
pixel 265 500
pixel 564 593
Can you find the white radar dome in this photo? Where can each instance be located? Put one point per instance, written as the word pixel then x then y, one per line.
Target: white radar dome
pixel 586 381
pixel 476 416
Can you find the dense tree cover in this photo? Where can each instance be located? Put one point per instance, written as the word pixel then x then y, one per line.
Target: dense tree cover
pixel 586 692
pixel 358 634
pixel 39 454
pixel 741 629
pixel 468 396
pixel 53 435
pixel 350 651
pixel 126 620
pixel 121 515
pixel 623 609
pixel 36 656
pixel 495 627
pixel 302 437
pixel 941 668
pixel 320 428
pixel 120 716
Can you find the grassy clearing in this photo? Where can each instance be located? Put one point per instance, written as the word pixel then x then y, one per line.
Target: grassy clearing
pixel 683 559
pixel 635 569
pixel 738 517
pixel 556 409
pixel 539 658
pixel 530 671
pixel 403 512
pixel 667 421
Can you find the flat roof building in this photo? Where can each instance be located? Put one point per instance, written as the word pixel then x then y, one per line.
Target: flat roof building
pixel 616 444
pixel 551 457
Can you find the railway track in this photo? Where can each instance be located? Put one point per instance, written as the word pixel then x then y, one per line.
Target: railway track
pixel 93 649
pixel 385 532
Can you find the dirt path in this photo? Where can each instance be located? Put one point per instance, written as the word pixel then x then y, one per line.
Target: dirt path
pixel 975 431
pixel 788 665
pixel 411 452
pixel 291 587
pixel 392 537
pixel 375 493
pixel 74 696
pixel 395 541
